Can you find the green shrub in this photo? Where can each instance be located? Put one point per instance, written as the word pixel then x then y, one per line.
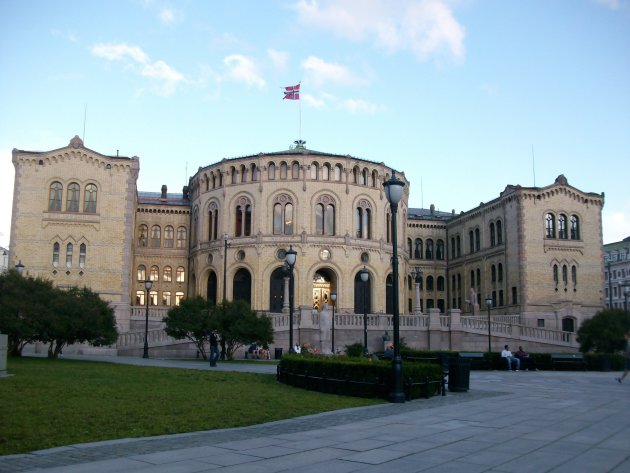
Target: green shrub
pixel 354 350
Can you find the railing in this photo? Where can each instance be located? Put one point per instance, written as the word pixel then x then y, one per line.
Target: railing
pixel 553 336
pixel 155 312
pixel 154 337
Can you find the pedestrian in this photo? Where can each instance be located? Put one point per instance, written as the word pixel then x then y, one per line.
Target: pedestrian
pixel 214 347
pixel 527 361
pixel 626 355
pixel 297 348
pixel 507 354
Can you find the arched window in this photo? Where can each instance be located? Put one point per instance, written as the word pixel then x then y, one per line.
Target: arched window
pixel 272 171
pixel 243 173
pixel 283 215
pixel 440 283
pixel 143 235
pixel 89 198
pixel 477 240
pixel 338 170
pixel 429 283
pixel 156 236
pixel 565 274
pixel 243 218
pixel 181 237
pixel 500 271
pixel 555 275
pixel 493 240
pixel 363 180
pixel 214 186
pixel 82 255
pixel 478 280
pixel 458 241
pixel 453 247
pixel 575 227
pixel 179 295
pixel 233 174
pixel 255 173
pixel 410 248
pixel 471 241
pixel 72 200
pixel 295 170
pixel 326 172
pixel 181 274
pixel 499 232
pixel 213 221
pixel 362 220
pixel 154 274
pixel 574 275
pixel 428 252
pixel 69 251
pixel 168 274
pixel 550 225
pixel 374 179
pixel 166 298
pixel 325 216
pixel 283 170
pixel 141 273
pixel 493 271
pixel 169 237
pixel 314 171
pixel 440 250
pixel 55 255
pixel 417 251
pixel 562 227
pixel 472 279
pixel 54 199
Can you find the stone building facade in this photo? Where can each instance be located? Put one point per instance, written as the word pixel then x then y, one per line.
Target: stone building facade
pixel 617 274
pixel 536 252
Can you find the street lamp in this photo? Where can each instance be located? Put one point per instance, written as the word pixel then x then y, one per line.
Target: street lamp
pixel 365 276
pixel 333 298
pixel 290 257
pixel 148 284
pixel 394 192
pixel 225 247
pixel 489 306
pixel 19 268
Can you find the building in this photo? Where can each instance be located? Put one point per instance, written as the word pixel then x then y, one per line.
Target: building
pixel 617 274
pixel 535 252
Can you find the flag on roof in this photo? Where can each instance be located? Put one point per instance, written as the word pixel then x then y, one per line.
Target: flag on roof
pixel 292 92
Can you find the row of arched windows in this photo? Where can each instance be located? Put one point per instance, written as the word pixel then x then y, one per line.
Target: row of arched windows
pixel 156 240
pixel 73 194
pixel 495 231
pixel 415 249
pixel 565 276
pixel 69 254
pixel 431 283
pixel 154 274
pixel 562 227
pixel 153 298
pixel 291 170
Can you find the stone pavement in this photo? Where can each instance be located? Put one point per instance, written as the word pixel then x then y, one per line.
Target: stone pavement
pixel 509 422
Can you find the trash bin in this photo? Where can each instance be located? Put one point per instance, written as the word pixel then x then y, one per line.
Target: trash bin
pixel 278 353
pixel 458 375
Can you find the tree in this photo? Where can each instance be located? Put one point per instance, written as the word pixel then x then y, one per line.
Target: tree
pixel 239 325
pixel 603 333
pixel 190 320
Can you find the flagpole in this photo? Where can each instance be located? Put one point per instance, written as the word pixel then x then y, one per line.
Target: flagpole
pixel 300 133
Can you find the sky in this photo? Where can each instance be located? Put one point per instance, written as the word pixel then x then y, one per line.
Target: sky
pixel 464 96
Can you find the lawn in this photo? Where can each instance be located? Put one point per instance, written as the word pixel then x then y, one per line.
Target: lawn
pixel 50 403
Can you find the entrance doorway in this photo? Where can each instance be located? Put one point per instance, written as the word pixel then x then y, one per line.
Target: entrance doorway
pixel 322 287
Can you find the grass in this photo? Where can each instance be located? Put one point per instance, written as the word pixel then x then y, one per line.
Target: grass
pixel 51 403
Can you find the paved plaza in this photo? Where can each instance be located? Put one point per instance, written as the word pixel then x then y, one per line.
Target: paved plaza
pixel 509 422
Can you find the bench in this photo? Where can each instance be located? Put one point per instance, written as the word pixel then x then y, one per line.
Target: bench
pixel 568 359
pixel 476 359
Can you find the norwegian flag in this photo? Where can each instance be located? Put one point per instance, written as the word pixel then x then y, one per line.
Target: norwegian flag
pixel 292 92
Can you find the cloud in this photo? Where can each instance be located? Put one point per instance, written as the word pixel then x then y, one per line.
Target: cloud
pixel 428 28
pixel 312 101
pixel 611 4
pixel 355 106
pixel 359 106
pixel 320 72
pixel 279 59
pixel 243 69
pixel 166 76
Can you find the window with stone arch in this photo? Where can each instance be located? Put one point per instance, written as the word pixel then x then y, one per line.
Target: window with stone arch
pixel 54 197
pixel 167 275
pixel 562 227
pixel 338 171
pixel 314 171
pixel 550 225
pixel 55 255
pixel 325 215
pixel 374 179
pixel 82 255
pixel 428 252
pixel 213 221
pixel 89 198
pixel 493 237
pixel 477 239
pixel 439 251
pixel 69 253
pixel 283 170
pixel 154 274
pixel 500 272
pixel 271 171
pixel 181 237
pixel 141 273
pixel 363 178
pixel 295 170
pixel 499 232
pixel 363 219
pixel 283 215
pixel 143 235
pixel 243 171
pixel 72 197
pixel 214 180
pixel 575 227
pixel 254 172
pixel 233 174
pixel 156 236
pixel 417 248
pixel 169 237
pixel 180 274
pixel 243 217
pixel 326 172
pixel 355 175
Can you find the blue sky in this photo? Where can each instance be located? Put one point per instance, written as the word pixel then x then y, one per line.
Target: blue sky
pixel 464 96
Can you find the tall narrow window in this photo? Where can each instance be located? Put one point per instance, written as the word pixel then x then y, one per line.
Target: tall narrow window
pixel 166 298
pixel 439 253
pixel 363 224
pixel 248 220
pixel 141 274
pixel 471 241
pixel 283 170
pixel 493 272
pixel 213 221
pixel 330 220
pixel 453 247
pixel 69 250
pixel 325 216
pixel 575 227
pixel 410 248
pixel 82 255
pixel 429 283
pixel 169 237
pixel 168 274
pixel 295 170
pixel 156 236
pixel 314 171
pixel 428 253
pixel 154 275
pixel 326 172
pixel 277 219
pixel 363 180
pixel 181 237
pixel 440 283
pixel 493 240
pixel 288 219
pixel 562 227
pixel 565 274
pixel 477 240
pixel 417 251
pixel 54 199
pixel 499 232
pixel 574 275
pixel 272 171
pixel 72 198
pixel 374 179
pixel 55 255
pixel 283 215
pixel 243 171
pixel 255 173
pixel 238 230
pixel 89 198
pixel 550 225
pixel 358 222
pixel 500 270
pixel 233 174
pixel 458 241
pixel 181 274
pixel 338 170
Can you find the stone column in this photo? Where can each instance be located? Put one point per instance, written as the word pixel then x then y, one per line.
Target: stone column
pixel 285 301
pixel 417 309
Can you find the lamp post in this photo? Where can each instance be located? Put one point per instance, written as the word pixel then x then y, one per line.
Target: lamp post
pixel 333 298
pixel 148 284
pixel 225 247
pixel 290 257
pixel 394 192
pixel 19 268
pixel 365 276
pixel 489 305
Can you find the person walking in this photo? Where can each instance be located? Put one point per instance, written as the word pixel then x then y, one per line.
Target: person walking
pixel 626 355
pixel 214 347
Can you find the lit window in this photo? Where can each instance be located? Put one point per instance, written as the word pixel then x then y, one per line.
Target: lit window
pixel 168 274
pixel 178 297
pixel 166 298
pixel 181 274
pixel 154 274
pixel 142 273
